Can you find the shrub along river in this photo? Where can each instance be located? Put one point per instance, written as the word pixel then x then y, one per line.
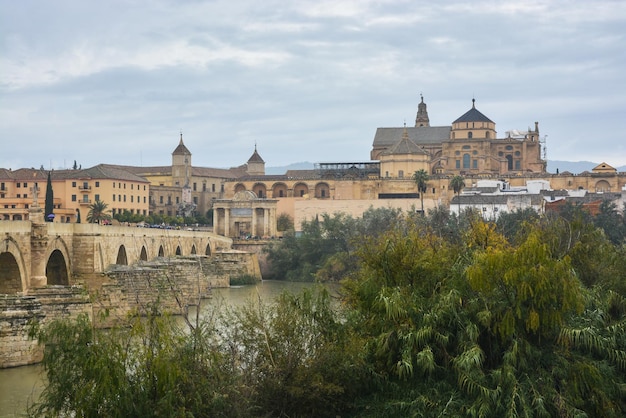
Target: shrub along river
pixel 21 385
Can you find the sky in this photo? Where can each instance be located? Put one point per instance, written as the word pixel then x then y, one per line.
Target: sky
pixel 117 81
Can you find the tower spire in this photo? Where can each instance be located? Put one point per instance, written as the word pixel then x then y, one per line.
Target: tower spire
pixel 422 114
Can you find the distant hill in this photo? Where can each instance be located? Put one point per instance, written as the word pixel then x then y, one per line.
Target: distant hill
pixel 305 165
pixel 574 167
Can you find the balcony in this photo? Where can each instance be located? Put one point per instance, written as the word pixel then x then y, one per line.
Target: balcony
pixel 84 188
pixel 84 202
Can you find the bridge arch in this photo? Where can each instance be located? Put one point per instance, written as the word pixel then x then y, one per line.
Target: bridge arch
pixel 193 249
pixel 143 255
pixel 161 252
pixel 122 258
pixel 12 268
pixel 178 250
pixel 58 263
pixel 207 251
pixel 56 269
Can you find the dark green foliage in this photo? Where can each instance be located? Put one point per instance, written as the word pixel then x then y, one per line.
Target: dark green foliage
pixel 324 249
pixel 294 358
pixel 49 203
pixel 284 222
pixel 441 316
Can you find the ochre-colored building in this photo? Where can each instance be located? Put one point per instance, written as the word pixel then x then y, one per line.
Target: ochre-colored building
pixel 74 192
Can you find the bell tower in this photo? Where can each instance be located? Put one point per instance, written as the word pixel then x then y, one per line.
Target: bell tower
pixel 422 114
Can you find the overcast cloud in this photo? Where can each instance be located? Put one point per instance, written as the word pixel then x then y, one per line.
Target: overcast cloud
pixel 116 81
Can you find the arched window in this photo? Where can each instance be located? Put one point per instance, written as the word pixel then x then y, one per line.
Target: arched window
pixel 509 159
pixel 466 161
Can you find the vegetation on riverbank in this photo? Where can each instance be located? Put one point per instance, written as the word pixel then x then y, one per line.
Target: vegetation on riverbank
pixel 440 316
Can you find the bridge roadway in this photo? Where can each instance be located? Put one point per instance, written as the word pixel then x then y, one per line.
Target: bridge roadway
pixel 35 254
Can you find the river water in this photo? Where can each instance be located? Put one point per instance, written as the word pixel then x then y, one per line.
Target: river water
pixel 21 385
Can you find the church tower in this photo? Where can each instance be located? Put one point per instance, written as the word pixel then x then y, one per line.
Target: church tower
pixel 422 114
pixel 181 164
pixel 256 165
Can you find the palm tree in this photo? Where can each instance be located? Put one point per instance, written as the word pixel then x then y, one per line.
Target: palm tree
pixel 98 212
pixel 420 178
pixel 457 184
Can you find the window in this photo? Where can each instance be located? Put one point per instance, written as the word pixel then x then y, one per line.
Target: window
pixel 25 185
pixel 458 163
pixel 85 185
pixel 73 184
pixel 19 185
pixel 518 165
pixel 114 198
pixel 195 200
pixel 401 174
pixel 114 185
pixel 222 188
pixel 97 184
pixel 144 199
pixel 97 197
pixel 169 200
pixel 474 164
pixel 470 135
pixel 19 195
pixel 119 197
pixel 1 186
pixel 124 185
pixel 132 186
pixel 466 161
pixel 487 134
pixel 73 198
pixel 85 198
pixel 194 187
pixel 161 199
pixel 124 198
pixel 323 193
pixel 213 188
pixel 132 199
pixel 204 187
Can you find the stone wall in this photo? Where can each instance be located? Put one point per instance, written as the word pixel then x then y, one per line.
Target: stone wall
pixel 17 313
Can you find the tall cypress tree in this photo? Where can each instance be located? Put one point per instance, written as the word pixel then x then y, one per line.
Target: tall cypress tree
pixel 49 200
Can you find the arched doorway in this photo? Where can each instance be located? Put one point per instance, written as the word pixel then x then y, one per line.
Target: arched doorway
pixel 603 186
pixel 56 270
pixel 279 190
pixel 300 189
pixel 122 260
pixel 10 279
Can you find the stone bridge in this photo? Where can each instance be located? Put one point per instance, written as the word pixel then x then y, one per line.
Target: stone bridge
pixel 34 255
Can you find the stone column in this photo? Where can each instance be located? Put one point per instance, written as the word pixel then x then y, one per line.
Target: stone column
pixel 38 248
pixel 253 226
pixel 227 221
pixel 216 220
pixel 266 222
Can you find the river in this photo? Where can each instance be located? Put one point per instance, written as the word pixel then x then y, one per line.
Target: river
pixel 21 385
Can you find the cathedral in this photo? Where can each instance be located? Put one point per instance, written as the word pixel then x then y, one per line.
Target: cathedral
pixel 469 147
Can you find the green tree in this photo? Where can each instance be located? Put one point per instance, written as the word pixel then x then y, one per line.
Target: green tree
pixel 98 212
pixel 284 222
pixel 457 183
pixel 49 203
pixel 421 178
